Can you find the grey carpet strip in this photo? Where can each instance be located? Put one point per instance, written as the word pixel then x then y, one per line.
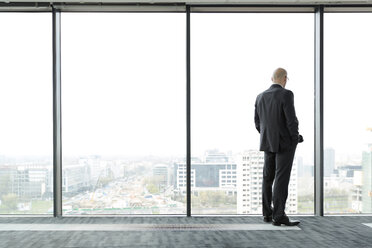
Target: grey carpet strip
pixel 144 227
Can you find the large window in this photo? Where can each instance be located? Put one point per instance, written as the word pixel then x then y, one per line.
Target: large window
pixel 347 113
pixel 124 121
pixel 124 111
pixel 26 184
pixel 232 60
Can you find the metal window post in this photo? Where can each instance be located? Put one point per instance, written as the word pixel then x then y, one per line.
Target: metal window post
pixel 57 135
pixel 188 116
pixel 318 159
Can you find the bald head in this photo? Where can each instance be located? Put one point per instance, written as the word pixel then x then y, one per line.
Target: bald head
pixel 279 76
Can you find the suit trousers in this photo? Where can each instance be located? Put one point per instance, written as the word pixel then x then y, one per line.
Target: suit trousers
pixel 277 166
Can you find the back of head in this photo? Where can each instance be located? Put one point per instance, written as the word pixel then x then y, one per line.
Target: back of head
pixel 278 75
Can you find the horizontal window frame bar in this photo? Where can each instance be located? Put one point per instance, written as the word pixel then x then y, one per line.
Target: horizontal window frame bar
pixel 181 7
pixel 93 7
pixel 25 7
pixel 121 8
pixel 280 8
pixel 348 9
pixel 249 9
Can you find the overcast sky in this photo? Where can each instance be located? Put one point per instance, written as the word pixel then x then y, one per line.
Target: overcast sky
pixel 123 78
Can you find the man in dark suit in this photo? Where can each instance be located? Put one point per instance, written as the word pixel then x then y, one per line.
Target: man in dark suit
pixel 276 121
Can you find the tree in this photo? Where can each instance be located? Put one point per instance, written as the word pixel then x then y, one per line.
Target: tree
pixel 10 201
pixel 152 188
pixel 212 199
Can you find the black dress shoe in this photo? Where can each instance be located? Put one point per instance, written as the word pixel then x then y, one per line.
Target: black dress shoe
pixel 268 219
pixel 285 221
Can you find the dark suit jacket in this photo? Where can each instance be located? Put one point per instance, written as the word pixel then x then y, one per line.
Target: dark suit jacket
pixel 276 120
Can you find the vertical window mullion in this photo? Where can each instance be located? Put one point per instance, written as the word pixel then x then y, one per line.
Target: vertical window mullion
pixel 318 178
pixel 57 142
pixel 188 113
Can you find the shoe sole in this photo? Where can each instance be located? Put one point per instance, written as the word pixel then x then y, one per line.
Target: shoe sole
pixel 279 224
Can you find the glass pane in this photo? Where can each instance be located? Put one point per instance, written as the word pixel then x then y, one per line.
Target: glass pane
pixel 124 119
pixel 26 127
pixel 233 57
pixel 347 113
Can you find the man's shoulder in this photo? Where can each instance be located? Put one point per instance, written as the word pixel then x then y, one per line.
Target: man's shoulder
pixel 284 91
pixel 259 96
pixel 287 92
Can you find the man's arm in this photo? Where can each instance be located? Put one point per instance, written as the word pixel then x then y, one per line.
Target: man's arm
pixel 290 115
pixel 256 117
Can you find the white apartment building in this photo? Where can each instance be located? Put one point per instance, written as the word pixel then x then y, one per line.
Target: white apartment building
pixel 249 189
pixel 181 180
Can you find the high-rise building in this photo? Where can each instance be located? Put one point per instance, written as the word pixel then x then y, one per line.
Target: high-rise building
pixel 301 168
pixel 304 170
pixel 249 195
pixel 95 166
pixel 329 161
pixel 356 194
pixel 367 180
pixel 215 171
pixel 27 181
pixel 160 171
pixel 75 178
